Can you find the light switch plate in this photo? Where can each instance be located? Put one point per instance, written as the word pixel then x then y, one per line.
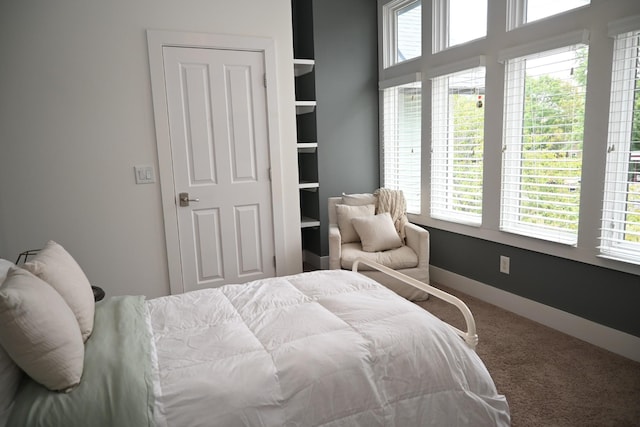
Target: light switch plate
pixel 144 174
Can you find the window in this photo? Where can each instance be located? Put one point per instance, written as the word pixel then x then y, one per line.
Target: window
pixel 542 146
pixel 403 31
pixel 544 165
pixel 458 21
pixel 524 11
pixel 402 106
pixel 457 129
pixel 620 236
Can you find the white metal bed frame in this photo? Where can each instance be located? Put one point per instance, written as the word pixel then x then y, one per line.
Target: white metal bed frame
pixel 470 337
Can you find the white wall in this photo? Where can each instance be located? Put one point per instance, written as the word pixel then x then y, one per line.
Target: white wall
pixel 76 115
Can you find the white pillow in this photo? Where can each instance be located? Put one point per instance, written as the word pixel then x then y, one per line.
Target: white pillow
pixel 39 331
pixel 377 233
pixel 10 376
pixel 345 214
pixel 359 199
pixel 4 269
pixel 54 265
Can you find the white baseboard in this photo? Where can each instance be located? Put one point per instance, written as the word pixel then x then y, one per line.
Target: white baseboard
pixel 618 342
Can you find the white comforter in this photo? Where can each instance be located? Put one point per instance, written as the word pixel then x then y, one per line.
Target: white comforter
pixel 327 348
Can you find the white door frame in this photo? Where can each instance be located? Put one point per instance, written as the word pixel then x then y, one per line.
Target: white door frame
pixel 157 39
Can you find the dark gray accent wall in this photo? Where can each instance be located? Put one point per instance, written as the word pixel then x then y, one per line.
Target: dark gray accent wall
pixel 605 296
pixel 346 78
pixel 302 17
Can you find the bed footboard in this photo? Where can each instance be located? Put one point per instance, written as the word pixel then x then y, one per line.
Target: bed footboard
pixel 470 336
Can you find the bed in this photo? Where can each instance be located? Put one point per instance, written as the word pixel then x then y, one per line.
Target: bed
pixel 322 348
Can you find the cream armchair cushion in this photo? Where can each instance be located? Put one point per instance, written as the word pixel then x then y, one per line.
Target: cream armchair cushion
pixel 397 259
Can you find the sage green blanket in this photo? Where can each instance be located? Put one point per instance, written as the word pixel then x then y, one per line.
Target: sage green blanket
pixel 116 387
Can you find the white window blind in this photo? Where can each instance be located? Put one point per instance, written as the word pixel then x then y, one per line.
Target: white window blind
pixel 620 235
pixel 542 147
pixel 402 106
pixel 457 142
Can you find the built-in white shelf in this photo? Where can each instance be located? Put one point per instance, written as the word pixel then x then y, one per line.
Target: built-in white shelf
pixel 306 222
pixel 309 186
pixel 302 66
pixel 304 107
pixel 307 147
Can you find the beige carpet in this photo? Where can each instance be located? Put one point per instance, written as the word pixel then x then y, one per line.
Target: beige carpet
pixel 549 378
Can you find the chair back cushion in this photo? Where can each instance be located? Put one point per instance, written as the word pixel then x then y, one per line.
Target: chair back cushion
pixel 346 214
pixel 359 199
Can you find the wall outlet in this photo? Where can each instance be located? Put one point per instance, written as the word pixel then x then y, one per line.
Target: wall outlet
pixel 504 264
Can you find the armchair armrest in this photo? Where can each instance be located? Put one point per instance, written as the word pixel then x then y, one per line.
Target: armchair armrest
pixel 335 247
pixel 417 238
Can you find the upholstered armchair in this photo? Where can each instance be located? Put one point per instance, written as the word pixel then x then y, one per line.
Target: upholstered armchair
pixel 356 231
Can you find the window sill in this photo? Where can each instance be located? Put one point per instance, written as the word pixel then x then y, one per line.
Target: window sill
pixel 580 253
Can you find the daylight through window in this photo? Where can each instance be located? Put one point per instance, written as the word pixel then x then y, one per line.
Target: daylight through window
pixel 402 31
pixel 542 150
pixel 458 102
pixel 457 22
pixel 525 11
pixel 408 32
pixel 402 107
pixel 620 236
pixel 515 149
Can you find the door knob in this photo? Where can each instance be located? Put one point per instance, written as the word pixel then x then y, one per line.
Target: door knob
pixel 184 199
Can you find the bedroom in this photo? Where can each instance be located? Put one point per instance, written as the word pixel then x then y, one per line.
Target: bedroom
pixel 77 117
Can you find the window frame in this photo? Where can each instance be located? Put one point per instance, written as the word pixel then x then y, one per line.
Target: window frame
pixel 440 212
pixel 621 120
pixel 513 137
pixel 394 84
pixel 498 44
pixel 390 31
pixel 517 13
pixel 441 37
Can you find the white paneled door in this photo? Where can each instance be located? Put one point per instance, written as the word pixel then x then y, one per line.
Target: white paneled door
pixel 220 154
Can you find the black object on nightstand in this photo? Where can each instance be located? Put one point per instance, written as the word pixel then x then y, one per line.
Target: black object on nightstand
pixel 26 255
pixel 98 293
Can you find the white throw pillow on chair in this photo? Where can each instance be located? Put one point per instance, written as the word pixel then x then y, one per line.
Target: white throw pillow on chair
pixel 377 233
pixel 346 214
